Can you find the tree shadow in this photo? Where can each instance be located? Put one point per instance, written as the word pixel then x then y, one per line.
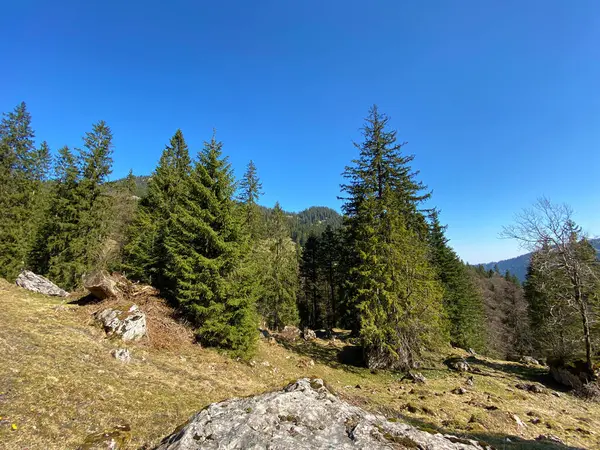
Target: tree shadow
pixel 516 370
pixel 349 357
pixel 498 441
pixel 88 299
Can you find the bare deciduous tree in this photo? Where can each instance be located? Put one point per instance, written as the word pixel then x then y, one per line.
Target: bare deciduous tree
pixel 563 253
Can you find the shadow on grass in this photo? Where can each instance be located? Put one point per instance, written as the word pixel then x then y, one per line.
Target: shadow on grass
pixel 496 440
pixel 348 357
pixel 85 300
pixel 525 373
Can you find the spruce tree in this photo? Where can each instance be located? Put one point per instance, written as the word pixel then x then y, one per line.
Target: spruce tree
pixel 394 288
pixel 250 190
pixel 53 254
pixel 22 171
pixel 90 245
pixel 279 283
pixel 462 301
pixel 329 262
pixel 144 255
pixel 313 311
pixel 205 244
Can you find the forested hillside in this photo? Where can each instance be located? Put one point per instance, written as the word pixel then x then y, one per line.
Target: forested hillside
pixel 383 270
pixel 518 265
pixel 313 220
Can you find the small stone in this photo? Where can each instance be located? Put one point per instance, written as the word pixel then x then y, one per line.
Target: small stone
pixel 415 377
pixel 519 422
pixel 550 438
pixel 459 391
pixel 556 394
pixel 535 388
pixel 122 354
pixel 529 360
pixel 308 334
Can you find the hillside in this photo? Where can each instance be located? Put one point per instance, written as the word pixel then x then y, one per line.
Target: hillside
pixel 518 265
pixel 312 220
pixel 59 383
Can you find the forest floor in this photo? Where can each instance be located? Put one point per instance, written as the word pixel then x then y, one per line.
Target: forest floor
pixel 60 384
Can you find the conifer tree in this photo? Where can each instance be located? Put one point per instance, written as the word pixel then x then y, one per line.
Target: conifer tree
pixel 22 170
pixel 279 283
pixel 250 190
pixel 462 301
pixel 94 204
pixel 53 254
pixel 396 295
pixel 145 257
pixel 310 273
pixel 205 247
pixel 330 262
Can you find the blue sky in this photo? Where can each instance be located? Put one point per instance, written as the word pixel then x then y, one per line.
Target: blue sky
pixel 499 101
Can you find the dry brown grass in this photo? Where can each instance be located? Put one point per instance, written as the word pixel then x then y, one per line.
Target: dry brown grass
pixel 59 383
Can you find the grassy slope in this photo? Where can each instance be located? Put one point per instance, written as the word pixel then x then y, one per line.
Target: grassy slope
pixel 59 383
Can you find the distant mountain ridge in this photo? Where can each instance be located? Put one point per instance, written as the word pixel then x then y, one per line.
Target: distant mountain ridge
pixel 518 265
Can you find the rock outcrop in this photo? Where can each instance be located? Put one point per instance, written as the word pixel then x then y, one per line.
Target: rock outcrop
pixel 37 283
pixel 574 375
pixel 304 415
pixel 129 326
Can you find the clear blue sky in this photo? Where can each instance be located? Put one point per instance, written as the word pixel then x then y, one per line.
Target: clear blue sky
pixel 499 100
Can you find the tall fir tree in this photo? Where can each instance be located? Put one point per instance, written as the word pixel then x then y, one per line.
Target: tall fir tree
pixel 144 254
pixel 312 306
pixel 53 254
pixel 250 190
pixel 94 203
pixel 23 169
pixel 329 262
pixel 394 288
pixel 205 248
pixel 462 301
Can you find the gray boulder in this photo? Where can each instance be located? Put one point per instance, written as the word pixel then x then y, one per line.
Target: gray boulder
pixel 37 283
pixel 304 415
pixel 129 326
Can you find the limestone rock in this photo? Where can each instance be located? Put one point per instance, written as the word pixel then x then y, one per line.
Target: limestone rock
pixel 129 326
pixel 535 388
pixel 529 360
pixel 415 377
pixel 304 415
pixel 458 364
pixel 37 283
pixel 550 438
pixel 101 285
pixel 289 333
pixel 308 334
pixel 459 391
pixel 122 354
pixel 573 375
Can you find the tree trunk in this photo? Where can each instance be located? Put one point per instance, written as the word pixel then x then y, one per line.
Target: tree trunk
pixel 586 329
